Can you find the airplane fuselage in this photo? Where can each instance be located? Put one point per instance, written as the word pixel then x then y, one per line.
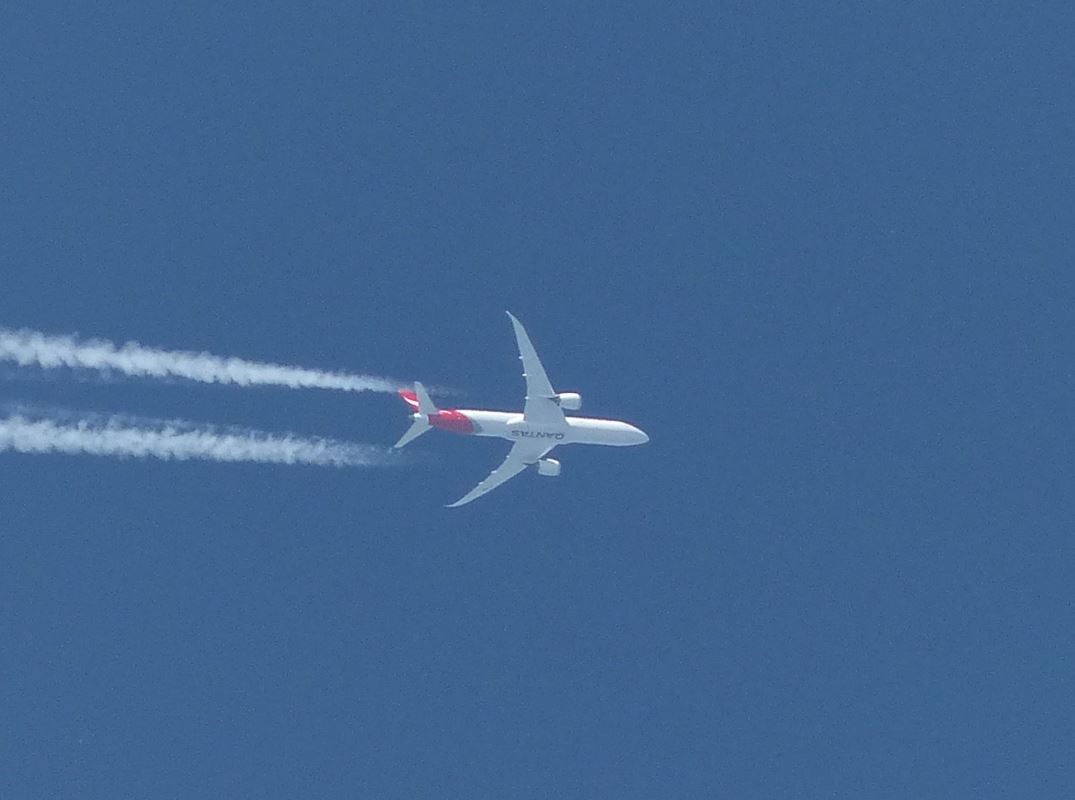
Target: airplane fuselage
pixel 513 427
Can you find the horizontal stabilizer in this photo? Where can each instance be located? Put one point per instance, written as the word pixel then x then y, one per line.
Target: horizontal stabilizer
pixel 418 427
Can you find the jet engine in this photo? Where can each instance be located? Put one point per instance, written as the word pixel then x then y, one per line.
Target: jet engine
pixel 572 401
pixel 549 467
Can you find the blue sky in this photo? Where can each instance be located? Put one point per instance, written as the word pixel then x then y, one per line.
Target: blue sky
pixel 823 257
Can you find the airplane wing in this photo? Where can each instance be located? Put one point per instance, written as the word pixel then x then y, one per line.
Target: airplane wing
pixel 521 456
pixel 541 406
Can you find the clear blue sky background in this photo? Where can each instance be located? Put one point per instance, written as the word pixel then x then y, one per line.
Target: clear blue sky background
pixel 822 255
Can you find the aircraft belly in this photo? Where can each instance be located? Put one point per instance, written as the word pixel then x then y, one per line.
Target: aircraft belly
pixel 575 430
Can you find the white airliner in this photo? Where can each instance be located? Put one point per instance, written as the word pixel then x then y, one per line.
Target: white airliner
pixel 537 430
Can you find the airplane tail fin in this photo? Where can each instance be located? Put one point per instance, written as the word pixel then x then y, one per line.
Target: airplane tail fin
pixel 422 406
pixel 425 404
pixel 418 399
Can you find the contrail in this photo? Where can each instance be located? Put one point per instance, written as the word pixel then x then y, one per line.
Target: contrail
pixel 177 440
pixel 30 348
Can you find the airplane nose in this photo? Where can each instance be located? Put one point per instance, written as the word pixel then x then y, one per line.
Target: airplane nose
pixel 643 437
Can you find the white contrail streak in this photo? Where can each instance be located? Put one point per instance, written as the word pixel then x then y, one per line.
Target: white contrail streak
pixel 178 441
pixel 30 348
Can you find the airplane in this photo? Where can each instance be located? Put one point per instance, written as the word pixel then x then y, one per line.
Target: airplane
pixel 534 433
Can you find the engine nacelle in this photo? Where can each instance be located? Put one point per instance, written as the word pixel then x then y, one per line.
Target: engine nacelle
pixel 572 401
pixel 549 467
